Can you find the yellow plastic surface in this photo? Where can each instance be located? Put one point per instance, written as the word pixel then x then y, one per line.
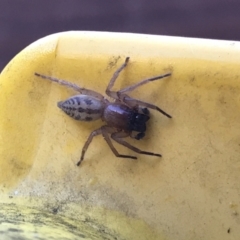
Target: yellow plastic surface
pixel 192 192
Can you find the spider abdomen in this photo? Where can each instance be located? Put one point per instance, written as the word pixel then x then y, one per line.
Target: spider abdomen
pixel 122 117
pixel 82 107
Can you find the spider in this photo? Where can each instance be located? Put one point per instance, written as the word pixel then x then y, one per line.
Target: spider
pixel 124 116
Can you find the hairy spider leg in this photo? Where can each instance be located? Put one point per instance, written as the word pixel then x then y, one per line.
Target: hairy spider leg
pixel 136 85
pixel 117 136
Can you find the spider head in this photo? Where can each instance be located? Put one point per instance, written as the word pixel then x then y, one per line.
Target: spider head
pixel 138 122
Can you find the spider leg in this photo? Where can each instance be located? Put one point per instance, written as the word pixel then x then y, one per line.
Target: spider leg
pixel 74 86
pixel 105 132
pixel 113 79
pixel 136 85
pixel 134 102
pixel 87 143
pixel 117 136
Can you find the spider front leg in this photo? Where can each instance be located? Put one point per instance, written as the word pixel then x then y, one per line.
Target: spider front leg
pixel 135 102
pixel 117 136
pixel 105 133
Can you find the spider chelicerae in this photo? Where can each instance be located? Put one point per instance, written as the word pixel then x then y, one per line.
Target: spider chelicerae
pixel 124 116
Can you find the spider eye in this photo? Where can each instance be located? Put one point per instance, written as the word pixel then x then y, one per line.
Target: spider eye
pixel 145 111
pixel 138 122
pixel 142 118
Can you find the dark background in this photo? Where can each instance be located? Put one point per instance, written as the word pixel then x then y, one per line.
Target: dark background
pixel 22 21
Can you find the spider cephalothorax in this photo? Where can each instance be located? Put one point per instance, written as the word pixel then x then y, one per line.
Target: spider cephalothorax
pixel 124 116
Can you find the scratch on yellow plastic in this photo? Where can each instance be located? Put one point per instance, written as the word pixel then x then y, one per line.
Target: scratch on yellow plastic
pixel 193 192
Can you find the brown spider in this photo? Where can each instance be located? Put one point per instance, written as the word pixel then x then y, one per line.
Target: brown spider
pixel 123 116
